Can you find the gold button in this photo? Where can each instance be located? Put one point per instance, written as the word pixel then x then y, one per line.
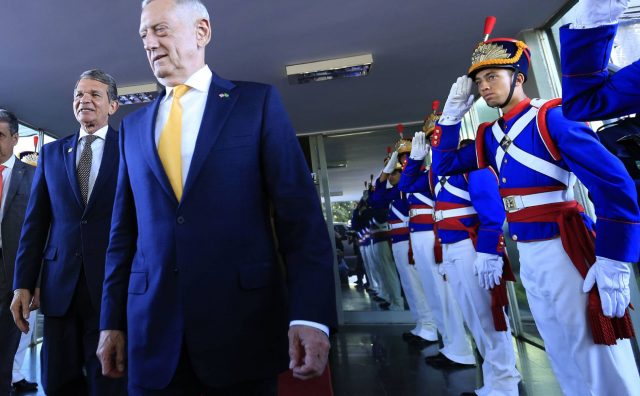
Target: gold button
pixel 505 160
pixel 440 240
pixel 504 179
pixel 514 237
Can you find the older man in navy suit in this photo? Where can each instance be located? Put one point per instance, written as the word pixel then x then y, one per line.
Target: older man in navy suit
pixel 64 240
pixel 192 274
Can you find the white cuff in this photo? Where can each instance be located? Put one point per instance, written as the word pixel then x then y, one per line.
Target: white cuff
pixel 318 326
pixel 591 26
pixel 449 120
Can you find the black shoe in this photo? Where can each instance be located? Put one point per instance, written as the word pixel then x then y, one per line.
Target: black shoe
pixel 441 361
pixel 25 386
pixel 377 299
pixel 421 343
pixel 408 336
pixel 468 394
pixel 384 305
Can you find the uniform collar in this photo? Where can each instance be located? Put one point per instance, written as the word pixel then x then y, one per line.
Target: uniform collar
pixel 517 109
pixel 200 81
pixel 101 133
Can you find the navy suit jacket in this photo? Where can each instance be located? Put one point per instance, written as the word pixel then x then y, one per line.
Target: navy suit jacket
pixel 203 272
pixel 61 234
pixel 14 209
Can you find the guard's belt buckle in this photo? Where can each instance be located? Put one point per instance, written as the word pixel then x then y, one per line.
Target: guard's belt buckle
pixel 438 215
pixel 512 203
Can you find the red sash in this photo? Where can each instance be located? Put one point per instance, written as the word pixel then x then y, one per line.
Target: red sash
pixel 579 244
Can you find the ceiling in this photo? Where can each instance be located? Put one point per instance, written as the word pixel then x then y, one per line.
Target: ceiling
pixel 419 47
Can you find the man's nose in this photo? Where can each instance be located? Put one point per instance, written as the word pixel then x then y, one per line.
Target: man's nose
pixel 150 42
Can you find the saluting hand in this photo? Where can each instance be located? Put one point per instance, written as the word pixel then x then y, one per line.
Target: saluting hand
pixel 458 102
pixel 308 351
pixel 419 148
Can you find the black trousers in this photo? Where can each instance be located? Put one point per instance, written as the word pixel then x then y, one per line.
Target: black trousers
pixel 9 339
pixel 70 366
pixel 186 383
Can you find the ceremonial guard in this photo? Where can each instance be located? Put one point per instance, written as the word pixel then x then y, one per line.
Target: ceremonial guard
pixel 589 92
pixel 381 252
pixel 446 312
pixel 425 330
pixel 577 288
pixel 360 224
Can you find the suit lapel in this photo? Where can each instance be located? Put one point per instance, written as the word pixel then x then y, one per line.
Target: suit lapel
pixel 148 146
pixel 220 102
pixel 69 155
pixel 107 166
pixel 16 178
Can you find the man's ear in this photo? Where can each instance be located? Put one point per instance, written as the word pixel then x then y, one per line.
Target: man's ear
pixel 203 32
pixel 113 107
pixel 520 79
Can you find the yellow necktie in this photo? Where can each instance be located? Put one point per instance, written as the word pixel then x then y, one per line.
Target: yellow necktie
pixel 169 147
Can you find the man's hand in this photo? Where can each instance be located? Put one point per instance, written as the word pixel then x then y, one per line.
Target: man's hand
pixel 35 301
pixel 419 148
pixel 111 353
pixel 308 350
pixel 612 279
pixel 488 267
pixel 20 309
pixel 391 164
pixel 459 101
pixel 593 13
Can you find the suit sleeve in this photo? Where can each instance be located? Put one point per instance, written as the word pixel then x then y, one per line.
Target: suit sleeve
pixel 35 229
pixel 122 242
pixel 300 227
pixel 447 159
pixel 485 197
pixel 589 91
pixel 612 190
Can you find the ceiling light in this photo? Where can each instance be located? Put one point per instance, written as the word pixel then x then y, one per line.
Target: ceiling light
pixel 354 66
pixel 135 94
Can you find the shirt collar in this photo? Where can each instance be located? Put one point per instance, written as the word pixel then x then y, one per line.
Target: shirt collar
pixel 10 162
pixel 101 133
pixel 200 81
pixel 517 109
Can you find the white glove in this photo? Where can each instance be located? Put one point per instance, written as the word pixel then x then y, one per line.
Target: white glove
pixel 488 267
pixel 612 279
pixel 459 101
pixel 419 148
pixel 594 13
pixel 391 164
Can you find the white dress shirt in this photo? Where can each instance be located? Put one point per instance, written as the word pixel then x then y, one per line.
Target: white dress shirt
pixel 97 147
pixel 193 104
pixel 6 178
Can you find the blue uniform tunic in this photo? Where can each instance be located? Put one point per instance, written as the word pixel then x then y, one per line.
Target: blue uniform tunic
pixel 613 192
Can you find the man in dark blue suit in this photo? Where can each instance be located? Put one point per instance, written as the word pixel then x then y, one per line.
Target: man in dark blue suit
pixel 64 240
pixel 192 273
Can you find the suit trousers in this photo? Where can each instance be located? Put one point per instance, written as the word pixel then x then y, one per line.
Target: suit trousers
pixel 69 363
pixel 410 280
pixel 499 372
pixel 558 306
pixel 445 308
pixel 186 383
pixel 9 340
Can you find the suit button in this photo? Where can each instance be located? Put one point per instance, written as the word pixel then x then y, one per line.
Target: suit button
pixel 180 220
pixel 83 222
pixel 78 254
pixel 175 270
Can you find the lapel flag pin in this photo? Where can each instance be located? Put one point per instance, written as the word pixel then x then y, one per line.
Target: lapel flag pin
pixel 70 149
pixel 224 95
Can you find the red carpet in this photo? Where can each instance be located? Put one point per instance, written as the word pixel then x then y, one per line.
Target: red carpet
pixel 289 386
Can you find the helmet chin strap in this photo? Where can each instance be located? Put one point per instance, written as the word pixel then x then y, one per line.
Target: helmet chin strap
pixel 514 79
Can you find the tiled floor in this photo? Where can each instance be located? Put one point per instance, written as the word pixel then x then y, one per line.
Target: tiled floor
pixel 375 361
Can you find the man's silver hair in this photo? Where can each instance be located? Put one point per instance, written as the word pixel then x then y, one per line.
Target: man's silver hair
pixel 195 5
